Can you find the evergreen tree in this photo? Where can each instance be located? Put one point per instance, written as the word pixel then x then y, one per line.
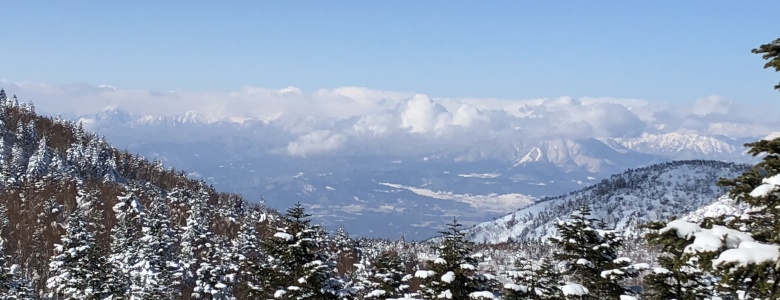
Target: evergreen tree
pixel 216 274
pixel 39 162
pixel 196 232
pixel 12 285
pixel 157 269
pixel 296 268
pixel 771 52
pixel 249 257
pixel 125 237
pixel 542 282
pixel 759 188
pixel 386 277
pixel 678 275
pixel 78 270
pixel 453 274
pixel 589 256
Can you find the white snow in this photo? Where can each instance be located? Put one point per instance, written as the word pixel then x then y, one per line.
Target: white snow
pixel 748 253
pixel 574 290
pixel 284 236
pixel 685 230
pixel 769 185
pixel 482 295
pixel 375 293
pixel 626 297
pixel 501 203
pixel 424 274
pixel 448 277
pixel 440 261
pixel 515 287
pixel 708 240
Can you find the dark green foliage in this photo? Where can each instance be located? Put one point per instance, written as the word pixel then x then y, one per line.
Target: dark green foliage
pixel 589 256
pixel 454 271
pixel 387 275
pixel 79 270
pixel 763 222
pixel 296 268
pixel 756 281
pixel 770 52
pixel 541 282
pixel 678 275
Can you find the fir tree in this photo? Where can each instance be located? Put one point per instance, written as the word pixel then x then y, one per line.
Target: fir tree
pixel 246 253
pixel 157 269
pixel 759 188
pixel 386 277
pixel 589 256
pixel 216 274
pixel 678 275
pixel 771 52
pixel 12 285
pixel 453 274
pixel 542 282
pixel 296 269
pixel 195 233
pixel 125 237
pixel 78 270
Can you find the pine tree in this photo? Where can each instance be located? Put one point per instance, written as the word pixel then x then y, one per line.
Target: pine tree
pixel 771 52
pixel 39 162
pixel 386 277
pixel 678 275
pixel 759 188
pixel 195 233
pixel 453 274
pixel 12 285
pixel 296 268
pixel 78 270
pixel 246 253
pixel 125 237
pixel 589 256
pixel 216 273
pixel 158 270
pixel 531 282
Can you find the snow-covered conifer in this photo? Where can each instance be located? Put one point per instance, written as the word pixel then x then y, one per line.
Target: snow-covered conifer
pixel 678 275
pixel 386 277
pixel 296 268
pixel 77 269
pixel 589 256
pixel 749 269
pixel 157 270
pixel 125 237
pixel 534 282
pixel 453 274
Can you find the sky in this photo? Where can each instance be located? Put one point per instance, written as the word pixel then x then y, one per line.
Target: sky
pixel 657 51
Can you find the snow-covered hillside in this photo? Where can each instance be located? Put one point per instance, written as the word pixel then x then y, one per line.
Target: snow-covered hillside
pixel 624 200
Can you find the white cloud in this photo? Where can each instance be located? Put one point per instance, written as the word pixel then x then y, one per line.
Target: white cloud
pixel 315 143
pixel 326 120
pixel 711 105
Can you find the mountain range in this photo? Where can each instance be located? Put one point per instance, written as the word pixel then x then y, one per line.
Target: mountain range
pixel 387 188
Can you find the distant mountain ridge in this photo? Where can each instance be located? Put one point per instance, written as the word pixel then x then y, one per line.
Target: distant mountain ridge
pixel 344 187
pixel 623 200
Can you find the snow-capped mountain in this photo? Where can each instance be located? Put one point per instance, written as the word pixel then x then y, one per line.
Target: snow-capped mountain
pixel 398 185
pixel 623 200
pixel 684 146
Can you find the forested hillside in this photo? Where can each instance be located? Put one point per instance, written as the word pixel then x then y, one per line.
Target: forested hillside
pixel 80 219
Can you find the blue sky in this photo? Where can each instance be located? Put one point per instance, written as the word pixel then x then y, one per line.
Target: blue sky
pixel 667 51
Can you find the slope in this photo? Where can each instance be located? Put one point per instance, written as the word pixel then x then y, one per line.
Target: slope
pixel 623 200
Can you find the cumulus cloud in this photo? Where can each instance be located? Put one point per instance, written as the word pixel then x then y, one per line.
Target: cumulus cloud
pixel 315 143
pixel 711 105
pixel 327 120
